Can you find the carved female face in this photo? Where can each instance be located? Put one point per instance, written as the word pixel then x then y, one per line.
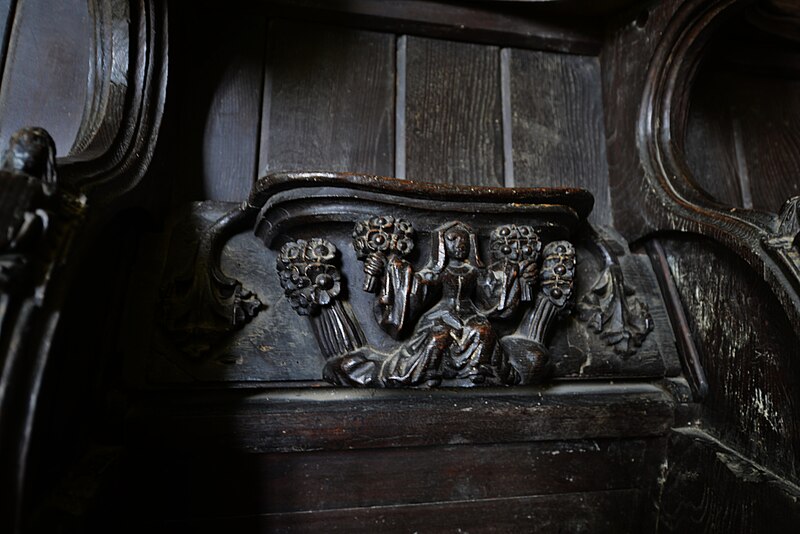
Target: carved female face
pixel 456 242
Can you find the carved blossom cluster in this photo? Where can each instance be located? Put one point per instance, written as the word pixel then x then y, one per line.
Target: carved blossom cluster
pixel 558 272
pixel 307 276
pixel 515 243
pixel 383 234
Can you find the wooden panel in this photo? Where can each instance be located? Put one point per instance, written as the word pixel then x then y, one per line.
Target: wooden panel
pixel 709 488
pixel 557 125
pixel 7 8
pixel 598 512
pixel 710 145
pixel 220 103
pixel 750 355
pixel 769 121
pixel 453 113
pixel 625 58
pixel 337 418
pixel 528 25
pixel 272 483
pixel 743 139
pixel 328 100
pixel 44 83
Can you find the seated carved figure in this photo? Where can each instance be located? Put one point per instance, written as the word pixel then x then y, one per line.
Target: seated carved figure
pixel 454 297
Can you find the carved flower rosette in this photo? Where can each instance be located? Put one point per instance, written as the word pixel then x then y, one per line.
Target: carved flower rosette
pixel 307 276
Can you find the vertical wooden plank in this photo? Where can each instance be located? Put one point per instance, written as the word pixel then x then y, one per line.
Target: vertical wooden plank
pixel 220 104
pixel 47 64
pixel 748 351
pixel 557 125
pixel 769 129
pixel 709 146
pixel 631 38
pixel 7 8
pixel 328 100
pixel 453 113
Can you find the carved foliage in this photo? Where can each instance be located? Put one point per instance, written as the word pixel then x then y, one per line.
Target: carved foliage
pixel 202 305
pixel 558 272
pixel 611 310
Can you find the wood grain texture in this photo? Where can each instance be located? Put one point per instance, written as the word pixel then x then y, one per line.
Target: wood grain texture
pixel 631 39
pixel 743 142
pixel 328 100
pixel 45 77
pixel 710 145
pixel 748 351
pixel 7 8
pixel 529 25
pixel 220 103
pixel 557 125
pixel 453 113
pixel 327 480
pixel 598 512
pixel 768 114
pixel 710 488
pixel 344 418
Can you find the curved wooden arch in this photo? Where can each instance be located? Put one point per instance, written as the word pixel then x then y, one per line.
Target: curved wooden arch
pixel 673 198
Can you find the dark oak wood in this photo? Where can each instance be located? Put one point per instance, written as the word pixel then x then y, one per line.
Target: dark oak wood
pixel 624 62
pixel 45 76
pixel 711 142
pixel 453 112
pixel 190 451
pixel 747 349
pixel 575 512
pixel 767 112
pixel 533 25
pixel 343 418
pixel 220 112
pixel 742 138
pixel 708 487
pixel 323 480
pixel 328 100
pixel 557 125
pixel 7 8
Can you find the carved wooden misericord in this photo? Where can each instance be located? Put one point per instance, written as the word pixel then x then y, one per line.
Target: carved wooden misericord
pixel 409 284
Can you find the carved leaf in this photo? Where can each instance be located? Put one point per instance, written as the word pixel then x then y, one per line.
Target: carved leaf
pixel 611 310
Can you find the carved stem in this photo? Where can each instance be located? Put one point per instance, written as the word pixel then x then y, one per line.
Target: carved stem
pixel 537 320
pixel 373 267
pixel 336 330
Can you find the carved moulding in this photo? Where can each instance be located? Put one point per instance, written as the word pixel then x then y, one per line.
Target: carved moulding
pixel 392 277
pixel 672 198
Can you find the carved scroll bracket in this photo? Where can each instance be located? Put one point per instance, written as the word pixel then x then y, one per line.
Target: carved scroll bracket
pixel 611 309
pixel 201 305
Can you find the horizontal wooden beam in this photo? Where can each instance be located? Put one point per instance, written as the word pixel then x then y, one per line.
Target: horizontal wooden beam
pixel 340 418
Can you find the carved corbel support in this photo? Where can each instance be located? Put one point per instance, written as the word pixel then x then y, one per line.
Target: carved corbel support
pixel 611 309
pixel 203 304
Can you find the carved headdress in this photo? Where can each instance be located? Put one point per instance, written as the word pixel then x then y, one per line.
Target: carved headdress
pixel 439 249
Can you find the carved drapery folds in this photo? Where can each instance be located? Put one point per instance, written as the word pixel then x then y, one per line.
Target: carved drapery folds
pixel 443 313
pixel 375 282
pixel 440 314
